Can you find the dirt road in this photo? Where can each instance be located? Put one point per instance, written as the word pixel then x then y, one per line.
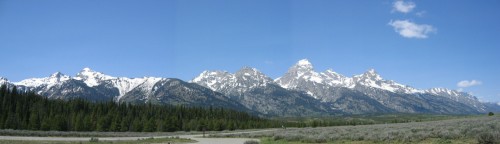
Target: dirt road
pixel 197 137
pixel 202 140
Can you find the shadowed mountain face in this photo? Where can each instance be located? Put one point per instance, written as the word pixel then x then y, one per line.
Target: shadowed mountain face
pixel 299 92
pixel 178 92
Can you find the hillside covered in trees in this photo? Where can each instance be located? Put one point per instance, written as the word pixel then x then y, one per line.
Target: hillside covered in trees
pixel 27 110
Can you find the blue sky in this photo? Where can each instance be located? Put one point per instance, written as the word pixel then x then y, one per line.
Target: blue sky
pixel 426 43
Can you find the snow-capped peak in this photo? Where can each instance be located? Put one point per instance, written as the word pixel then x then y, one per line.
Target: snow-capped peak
pixel 91 77
pixel 441 91
pixel 222 81
pixel 333 78
pixel 302 71
pixel 58 77
pixel 372 79
pixel 462 97
pixel 251 77
pixel 304 64
pixel 372 75
pixel 213 79
pixel 372 71
pixel 125 85
pixel 249 72
pixel 3 80
pixel 55 78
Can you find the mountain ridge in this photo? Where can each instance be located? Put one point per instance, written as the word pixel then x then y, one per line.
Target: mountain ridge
pixel 300 90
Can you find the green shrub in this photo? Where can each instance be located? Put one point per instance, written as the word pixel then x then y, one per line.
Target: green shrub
pixel 251 142
pixel 94 139
pixel 488 138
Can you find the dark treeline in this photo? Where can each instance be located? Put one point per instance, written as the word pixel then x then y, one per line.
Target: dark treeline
pixel 27 110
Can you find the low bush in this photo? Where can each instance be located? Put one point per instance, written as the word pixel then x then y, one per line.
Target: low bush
pixel 251 142
pixel 94 139
pixel 482 129
pixel 488 138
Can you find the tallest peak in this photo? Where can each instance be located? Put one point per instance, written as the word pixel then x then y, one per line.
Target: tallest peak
pixel 86 69
pixel 304 63
pixel 372 71
pixel 56 74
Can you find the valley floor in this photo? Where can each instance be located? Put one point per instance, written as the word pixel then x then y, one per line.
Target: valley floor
pixel 484 129
pixel 479 129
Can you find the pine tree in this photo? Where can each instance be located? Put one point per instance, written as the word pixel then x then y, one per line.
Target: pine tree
pixel 34 121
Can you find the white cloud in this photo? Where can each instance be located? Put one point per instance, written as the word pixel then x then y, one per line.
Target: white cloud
pixel 409 29
pixel 402 6
pixel 466 83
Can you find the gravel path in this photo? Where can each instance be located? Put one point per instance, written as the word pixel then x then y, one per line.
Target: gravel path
pixel 202 140
pixel 197 137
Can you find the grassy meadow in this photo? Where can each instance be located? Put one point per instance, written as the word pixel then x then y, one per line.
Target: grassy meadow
pixel 479 129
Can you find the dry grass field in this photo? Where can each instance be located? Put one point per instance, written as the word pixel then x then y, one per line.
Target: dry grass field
pixel 484 129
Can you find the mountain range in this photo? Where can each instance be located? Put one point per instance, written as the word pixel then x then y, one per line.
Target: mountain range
pixel 301 91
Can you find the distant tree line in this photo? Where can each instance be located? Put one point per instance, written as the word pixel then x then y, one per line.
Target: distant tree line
pixel 29 111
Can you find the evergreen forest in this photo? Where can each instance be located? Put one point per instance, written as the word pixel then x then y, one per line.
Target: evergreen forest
pixel 29 111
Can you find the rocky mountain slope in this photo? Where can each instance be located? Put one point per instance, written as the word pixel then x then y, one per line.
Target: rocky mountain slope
pixel 301 91
pixel 360 94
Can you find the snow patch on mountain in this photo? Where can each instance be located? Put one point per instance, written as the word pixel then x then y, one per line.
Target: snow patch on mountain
pixel 337 80
pixel 91 77
pixel 222 81
pixel 4 81
pixel 303 71
pixel 125 85
pixel 372 79
pixel 56 78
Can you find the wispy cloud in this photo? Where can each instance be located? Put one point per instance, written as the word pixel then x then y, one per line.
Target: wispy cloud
pixel 420 13
pixel 466 83
pixel 409 29
pixel 268 62
pixel 403 7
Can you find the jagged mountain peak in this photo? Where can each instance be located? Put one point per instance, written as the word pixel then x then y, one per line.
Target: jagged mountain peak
pixel 91 77
pixel 248 71
pixel 3 80
pixel 57 75
pixel 222 81
pixel 371 71
pixel 213 79
pixel 208 74
pixel 87 71
pixel 371 74
pixel 303 64
pixel 252 75
pixel 335 79
pixel 332 74
pixel 53 79
pixel 440 91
